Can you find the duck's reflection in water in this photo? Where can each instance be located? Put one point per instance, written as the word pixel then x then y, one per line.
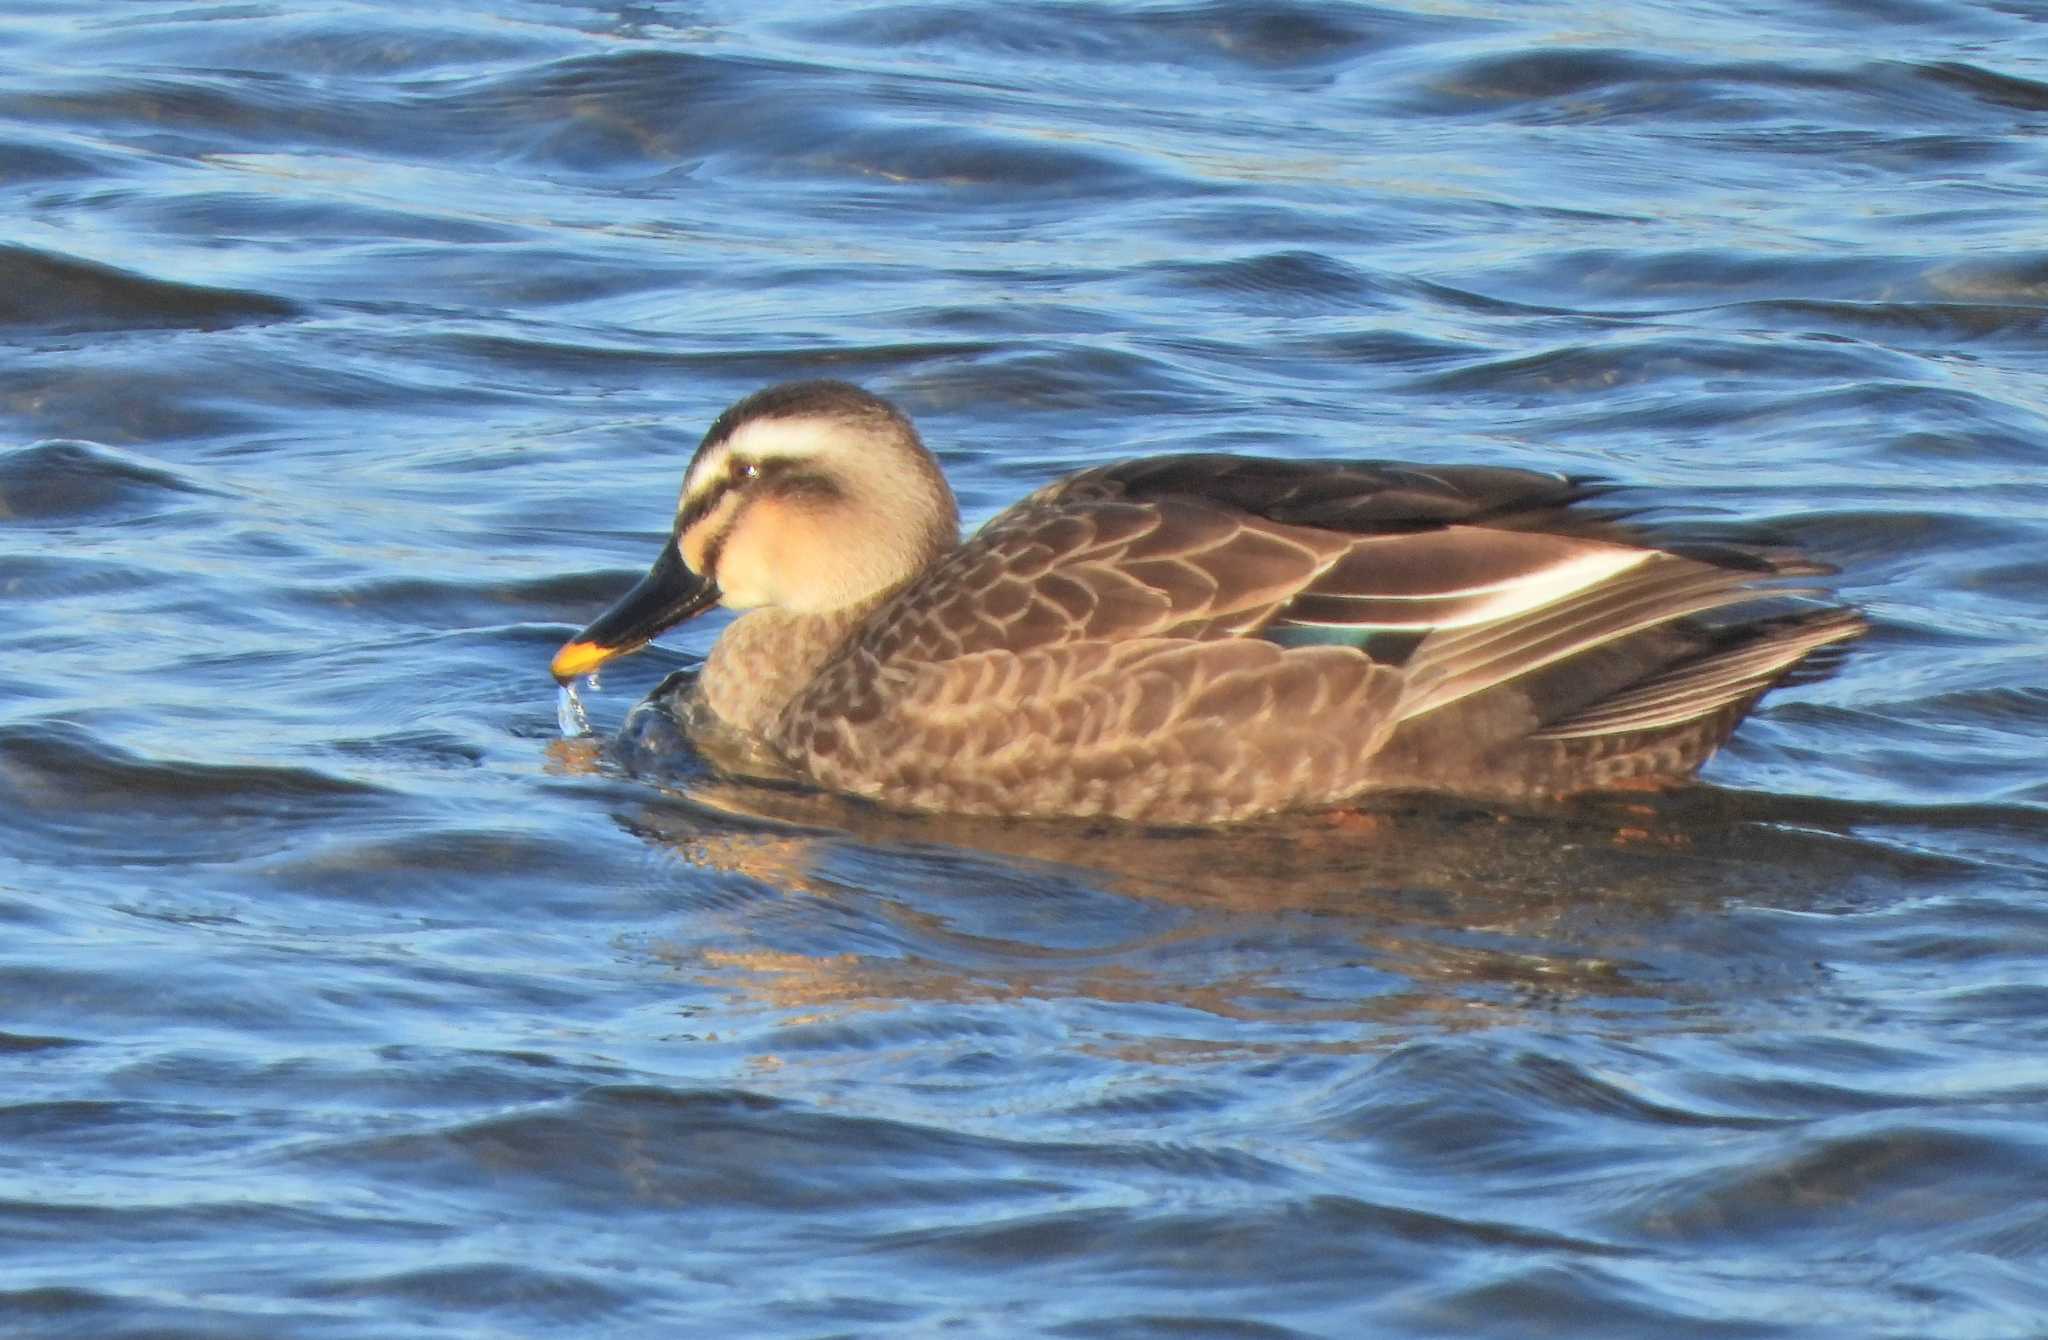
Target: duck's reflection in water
pixel 1409 908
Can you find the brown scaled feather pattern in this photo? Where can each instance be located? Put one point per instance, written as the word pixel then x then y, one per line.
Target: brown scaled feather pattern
pixel 1200 638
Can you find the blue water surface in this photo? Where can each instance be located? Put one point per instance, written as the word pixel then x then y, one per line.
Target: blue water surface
pixel 352 356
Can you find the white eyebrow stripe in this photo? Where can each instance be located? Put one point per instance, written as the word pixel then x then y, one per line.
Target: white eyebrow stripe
pixel 787 439
pixel 706 473
pixel 792 439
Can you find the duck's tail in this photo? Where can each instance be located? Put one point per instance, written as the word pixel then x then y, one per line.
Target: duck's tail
pixel 1737 666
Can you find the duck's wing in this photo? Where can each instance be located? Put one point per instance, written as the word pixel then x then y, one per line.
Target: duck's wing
pixel 1207 547
pixel 1462 577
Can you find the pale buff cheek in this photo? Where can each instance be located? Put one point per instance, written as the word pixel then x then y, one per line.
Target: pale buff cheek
pixel 803 556
pixel 750 564
pixel 785 553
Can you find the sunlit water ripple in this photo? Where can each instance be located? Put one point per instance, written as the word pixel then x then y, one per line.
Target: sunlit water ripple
pixel 353 356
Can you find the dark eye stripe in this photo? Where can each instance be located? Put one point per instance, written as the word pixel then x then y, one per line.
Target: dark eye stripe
pixel 714 549
pixel 812 488
pixel 694 512
pixel 782 475
pixel 779 476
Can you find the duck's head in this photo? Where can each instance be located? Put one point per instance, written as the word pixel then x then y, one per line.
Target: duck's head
pixel 809 497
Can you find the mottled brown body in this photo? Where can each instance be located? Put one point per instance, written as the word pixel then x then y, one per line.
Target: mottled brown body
pixel 1138 641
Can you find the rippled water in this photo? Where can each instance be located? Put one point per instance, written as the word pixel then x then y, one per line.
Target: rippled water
pixel 353 355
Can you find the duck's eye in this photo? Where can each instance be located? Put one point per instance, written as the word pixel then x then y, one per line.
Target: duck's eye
pixel 747 470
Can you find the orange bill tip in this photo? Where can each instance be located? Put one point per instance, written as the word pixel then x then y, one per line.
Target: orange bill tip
pixel 579 658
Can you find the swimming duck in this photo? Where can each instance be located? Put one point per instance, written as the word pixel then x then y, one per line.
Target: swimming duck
pixel 1192 638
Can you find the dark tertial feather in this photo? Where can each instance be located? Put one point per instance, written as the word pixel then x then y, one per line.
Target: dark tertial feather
pixel 1446 577
pixel 1355 497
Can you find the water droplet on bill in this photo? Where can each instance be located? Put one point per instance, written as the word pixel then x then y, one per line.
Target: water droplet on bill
pixel 569 713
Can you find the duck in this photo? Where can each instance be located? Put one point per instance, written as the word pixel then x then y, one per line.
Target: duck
pixel 1194 638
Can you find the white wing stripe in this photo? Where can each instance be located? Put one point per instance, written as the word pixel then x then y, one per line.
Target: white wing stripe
pixel 1511 596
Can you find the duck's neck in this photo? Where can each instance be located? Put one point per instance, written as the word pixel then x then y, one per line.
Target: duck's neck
pixel 764 659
